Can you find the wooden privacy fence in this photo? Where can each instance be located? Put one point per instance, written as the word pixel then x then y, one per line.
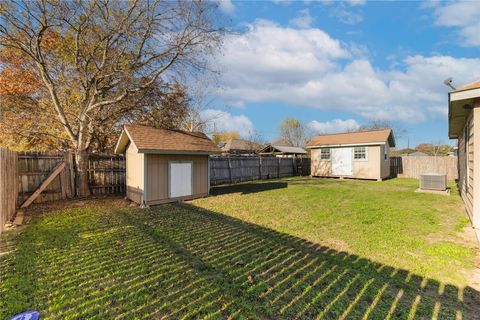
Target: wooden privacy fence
pixel 51 176
pixel 395 166
pixel 8 185
pixel 237 169
pixel 106 175
pixel 413 167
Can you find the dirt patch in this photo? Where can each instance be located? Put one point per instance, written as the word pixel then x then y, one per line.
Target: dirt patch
pixel 336 244
pixel 111 201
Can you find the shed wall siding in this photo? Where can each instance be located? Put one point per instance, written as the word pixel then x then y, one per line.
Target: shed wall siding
pixel 134 177
pixel 157 176
pixel 371 168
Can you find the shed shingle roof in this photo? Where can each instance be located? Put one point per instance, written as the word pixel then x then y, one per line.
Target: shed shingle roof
pixel 359 137
pixel 152 139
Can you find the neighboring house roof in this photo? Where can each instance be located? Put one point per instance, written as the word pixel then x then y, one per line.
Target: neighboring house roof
pixel 282 149
pixel 152 140
pixel 353 138
pixel 240 144
pixel 286 149
pixel 281 142
pixel 415 154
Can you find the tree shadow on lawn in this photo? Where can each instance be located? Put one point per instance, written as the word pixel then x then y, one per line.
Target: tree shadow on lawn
pixel 181 261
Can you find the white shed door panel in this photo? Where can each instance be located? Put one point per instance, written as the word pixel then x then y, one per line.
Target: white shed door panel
pixel 180 182
pixel 342 161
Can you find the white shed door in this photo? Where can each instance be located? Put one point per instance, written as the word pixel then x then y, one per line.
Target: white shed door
pixel 180 179
pixel 342 161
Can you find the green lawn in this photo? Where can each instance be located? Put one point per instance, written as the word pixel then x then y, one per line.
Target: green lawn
pixel 293 248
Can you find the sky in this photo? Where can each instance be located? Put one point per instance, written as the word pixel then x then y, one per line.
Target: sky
pixel 337 65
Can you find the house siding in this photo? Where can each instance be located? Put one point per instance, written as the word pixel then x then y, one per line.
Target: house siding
pixel 465 164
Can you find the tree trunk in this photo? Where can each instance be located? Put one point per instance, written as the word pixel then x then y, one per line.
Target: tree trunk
pixel 81 161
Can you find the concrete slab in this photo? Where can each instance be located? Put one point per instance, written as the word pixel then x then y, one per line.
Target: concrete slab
pixel 443 193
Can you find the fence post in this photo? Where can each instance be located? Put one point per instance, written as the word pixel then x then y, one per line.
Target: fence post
pixel 230 170
pixel 259 168
pixel 8 185
pixel 278 168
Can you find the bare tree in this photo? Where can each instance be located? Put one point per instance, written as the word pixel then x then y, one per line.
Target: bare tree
pixel 398 131
pixel 293 131
pixel 93 56
pixel 255 140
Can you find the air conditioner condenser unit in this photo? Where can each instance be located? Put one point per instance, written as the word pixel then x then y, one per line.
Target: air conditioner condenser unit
pixel 433 181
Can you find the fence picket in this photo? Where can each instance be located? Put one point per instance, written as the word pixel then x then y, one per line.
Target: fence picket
pixel 8 185
pixel 413 167
pixel 237 169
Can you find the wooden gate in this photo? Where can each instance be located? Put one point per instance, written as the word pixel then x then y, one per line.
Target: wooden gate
pixel 36 167
pixel 106 175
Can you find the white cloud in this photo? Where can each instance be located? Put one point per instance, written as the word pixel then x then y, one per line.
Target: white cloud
pixel 226 5
pixel 304 20
pixel 284 2
pixel 268 56
pixel 222 121
pixel 465 16
pixel 345 14
pixel 356 2
pixel 333 126
pixel 308 68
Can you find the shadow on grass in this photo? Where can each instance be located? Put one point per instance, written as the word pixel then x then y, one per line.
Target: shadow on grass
pixel 247 188
pixel 180 261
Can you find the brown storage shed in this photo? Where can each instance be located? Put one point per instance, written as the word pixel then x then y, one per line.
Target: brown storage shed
pixel 165 165
pixel 360 155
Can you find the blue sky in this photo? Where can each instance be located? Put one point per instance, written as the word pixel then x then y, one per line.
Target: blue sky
pixel 336 65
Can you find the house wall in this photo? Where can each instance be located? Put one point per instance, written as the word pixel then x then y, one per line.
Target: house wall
pixel 157 177
pixel 374 167
pixel 465 164
pixel 134 176
pixel 474 165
